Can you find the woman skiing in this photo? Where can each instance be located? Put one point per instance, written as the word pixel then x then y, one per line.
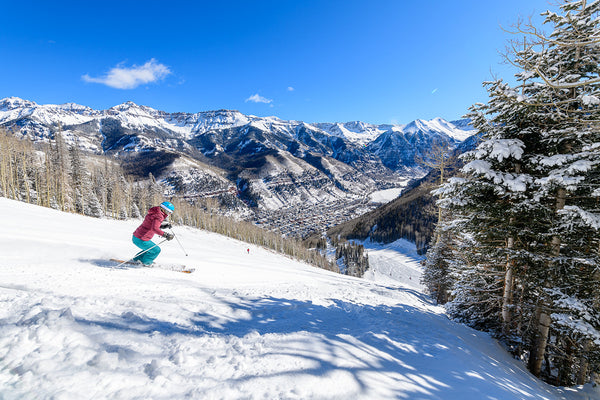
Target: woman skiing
pixel 153 225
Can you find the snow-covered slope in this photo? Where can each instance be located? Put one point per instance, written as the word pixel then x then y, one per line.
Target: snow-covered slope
pixel 356 132
pixel 245 325
pixel 456 130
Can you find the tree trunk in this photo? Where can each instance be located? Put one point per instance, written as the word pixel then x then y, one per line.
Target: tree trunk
pixel 538 346
pixel 583 364
pixel 507 297
pixel 543 319
pixel 565 369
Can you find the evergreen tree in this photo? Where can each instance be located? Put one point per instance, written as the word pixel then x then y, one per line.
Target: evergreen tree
pixel 85 199
pixel 135 211
pixel 59 162
pixel 529 201
pixel 439 259
pixel 566 65
pixel 353 258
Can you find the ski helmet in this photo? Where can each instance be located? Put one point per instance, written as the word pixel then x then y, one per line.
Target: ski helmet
pixel 167 206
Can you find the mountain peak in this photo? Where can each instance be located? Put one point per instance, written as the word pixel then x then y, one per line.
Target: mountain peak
pixel 10 103
pixel 124 106
pixel 440 126
pixel 74 107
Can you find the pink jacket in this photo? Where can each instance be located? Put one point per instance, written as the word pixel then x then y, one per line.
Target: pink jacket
pixel 151 224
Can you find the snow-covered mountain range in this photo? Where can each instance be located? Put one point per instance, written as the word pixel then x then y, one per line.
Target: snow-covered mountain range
pixel 271 163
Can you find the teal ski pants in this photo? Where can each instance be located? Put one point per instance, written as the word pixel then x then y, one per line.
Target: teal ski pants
pixel 148 257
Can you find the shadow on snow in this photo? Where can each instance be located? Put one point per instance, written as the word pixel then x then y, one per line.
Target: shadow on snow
pixel 414 351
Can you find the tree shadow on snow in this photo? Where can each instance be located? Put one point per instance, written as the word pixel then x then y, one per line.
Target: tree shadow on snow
pixel 395 344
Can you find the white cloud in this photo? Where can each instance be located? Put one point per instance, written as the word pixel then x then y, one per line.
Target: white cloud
pixel 256 98
pixel 121 77
pixel 290 89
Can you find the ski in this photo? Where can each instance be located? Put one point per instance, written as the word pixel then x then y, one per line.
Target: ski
pixel 176 268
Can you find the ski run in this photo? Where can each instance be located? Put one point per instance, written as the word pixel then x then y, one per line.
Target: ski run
pixel 245 325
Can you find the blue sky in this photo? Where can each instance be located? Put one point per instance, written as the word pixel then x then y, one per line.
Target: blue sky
pixel 388 61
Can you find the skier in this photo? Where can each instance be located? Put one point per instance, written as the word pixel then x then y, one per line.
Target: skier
pixel 153 224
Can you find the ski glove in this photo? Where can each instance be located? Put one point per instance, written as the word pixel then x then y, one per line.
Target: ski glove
pixel 168 236
pixel 166 225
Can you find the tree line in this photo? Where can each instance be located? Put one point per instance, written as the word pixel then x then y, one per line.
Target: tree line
pixel 517 246
pixel 411 217
pixel 353 257
pixel 63 177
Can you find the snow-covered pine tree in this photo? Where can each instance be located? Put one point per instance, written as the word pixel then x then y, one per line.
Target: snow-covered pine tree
pixel 566 68
pixel 93 207
pixel 138 200
pixel 78 179
pixel 25 171
pixel 530 199
pixel 352 259
pixel 491 207
pixel 59 162
pixel 155 191
pixel 85 200
pixel 436 274
pixel 100 185
pixel 135 211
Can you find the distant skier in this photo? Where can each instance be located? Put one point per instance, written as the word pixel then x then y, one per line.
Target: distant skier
pixel 153 224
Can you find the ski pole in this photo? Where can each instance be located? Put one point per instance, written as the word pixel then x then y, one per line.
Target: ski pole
pixel 180 245
pixel 139 254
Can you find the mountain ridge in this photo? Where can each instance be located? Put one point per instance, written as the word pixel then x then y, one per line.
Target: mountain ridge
pixel 274 164
pixel 340 129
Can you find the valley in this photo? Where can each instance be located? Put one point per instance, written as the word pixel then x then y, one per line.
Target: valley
pixel 290 177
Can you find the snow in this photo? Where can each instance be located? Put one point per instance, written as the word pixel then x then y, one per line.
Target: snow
pixel 14 108
pixel 441 126
pixel 501 149
pixel 363 134
pixel 254 325
pixel 356 132
pixel 555 160
pixel 579 325
pixel 512 182
pixel 590 100
pixel 397 263
pixel 589 218
pixel 387 195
